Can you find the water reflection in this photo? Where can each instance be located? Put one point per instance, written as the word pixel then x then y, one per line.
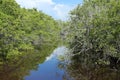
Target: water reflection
pixel 80 72
pixel 57 52
pixel 49 70
pixel 16 70
pixel 40 67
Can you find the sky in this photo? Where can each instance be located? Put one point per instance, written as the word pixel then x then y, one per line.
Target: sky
pixel 58 9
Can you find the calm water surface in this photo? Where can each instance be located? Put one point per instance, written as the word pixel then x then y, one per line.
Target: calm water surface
pixel 49 69
pixel 40 67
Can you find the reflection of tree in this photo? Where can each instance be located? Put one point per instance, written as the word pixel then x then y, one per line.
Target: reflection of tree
pixel 63 64
pixel 79 72
pixel 17 70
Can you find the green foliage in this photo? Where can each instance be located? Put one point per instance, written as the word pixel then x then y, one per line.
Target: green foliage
pixel 96 27
pixel 24 29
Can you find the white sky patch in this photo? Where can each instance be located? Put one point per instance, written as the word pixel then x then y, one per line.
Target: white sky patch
pixel 62 10
pixel 57 11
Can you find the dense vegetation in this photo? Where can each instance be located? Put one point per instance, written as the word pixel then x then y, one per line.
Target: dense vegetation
pixel 24 31
pixel 94 40
pixel 94 32
pixel 93 35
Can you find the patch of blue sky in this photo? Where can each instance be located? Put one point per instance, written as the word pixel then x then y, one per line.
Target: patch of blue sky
pixel 58 9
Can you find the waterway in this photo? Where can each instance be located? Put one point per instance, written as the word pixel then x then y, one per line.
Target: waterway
pixel 50 69
pixel 54 66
